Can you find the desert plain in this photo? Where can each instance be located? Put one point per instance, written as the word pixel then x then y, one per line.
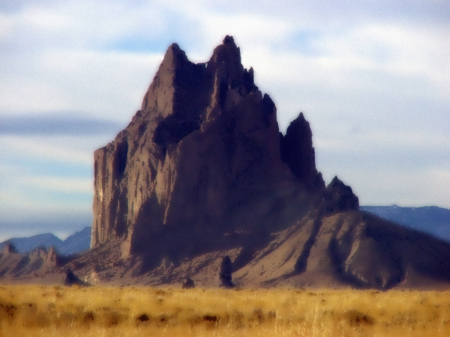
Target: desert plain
pixel 31 310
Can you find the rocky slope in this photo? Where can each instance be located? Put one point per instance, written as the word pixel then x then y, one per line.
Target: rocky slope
pixel 202 177
pixel 15 266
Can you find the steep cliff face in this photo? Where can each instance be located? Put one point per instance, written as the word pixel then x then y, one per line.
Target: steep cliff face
pixel 204 146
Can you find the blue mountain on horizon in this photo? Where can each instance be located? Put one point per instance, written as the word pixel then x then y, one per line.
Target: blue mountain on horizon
pixel 74 244
pixel 432 220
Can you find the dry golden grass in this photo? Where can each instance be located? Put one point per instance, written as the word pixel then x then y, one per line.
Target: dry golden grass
pixel 108 311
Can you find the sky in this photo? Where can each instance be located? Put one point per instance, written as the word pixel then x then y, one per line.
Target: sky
pixel 371 77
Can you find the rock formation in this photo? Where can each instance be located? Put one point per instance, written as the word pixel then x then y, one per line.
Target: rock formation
pixel 39 263
pixel 298 152
pixel 226 270
pixel 203 172
pixel 73 280
pixel 204 145
pixel 202 184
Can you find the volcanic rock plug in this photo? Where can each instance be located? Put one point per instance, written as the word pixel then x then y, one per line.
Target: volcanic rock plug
pixel 202 172
pixel 204 148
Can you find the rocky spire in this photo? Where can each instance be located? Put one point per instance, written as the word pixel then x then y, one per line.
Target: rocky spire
pixel 339 197
pixel 298 152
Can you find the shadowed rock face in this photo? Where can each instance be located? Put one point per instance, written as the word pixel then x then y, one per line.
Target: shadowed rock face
pixel 298 152
pixel 204 146
pixel 339 197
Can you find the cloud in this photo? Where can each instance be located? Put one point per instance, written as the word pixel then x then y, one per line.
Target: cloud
pixel 35 189
pixel 35 202
pixel 413 188
pixel 56 149
pixel 56 124
pixel 66 185
pixel 32 204
pixel 107 85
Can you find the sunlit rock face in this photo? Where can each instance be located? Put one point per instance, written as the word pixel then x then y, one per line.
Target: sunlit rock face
pixel 201 159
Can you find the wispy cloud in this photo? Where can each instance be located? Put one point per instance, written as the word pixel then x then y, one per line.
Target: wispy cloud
pixel 67 123
pixel 54 150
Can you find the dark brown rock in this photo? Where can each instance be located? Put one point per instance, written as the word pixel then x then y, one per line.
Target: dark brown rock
pixel 189 284
pixel 205 142
pixel 339 197
pixel 226 270
pixel 298 152
pixel 73 280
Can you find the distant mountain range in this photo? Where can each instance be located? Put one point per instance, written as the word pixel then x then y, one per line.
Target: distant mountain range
pixel 430 219
pixel 76 243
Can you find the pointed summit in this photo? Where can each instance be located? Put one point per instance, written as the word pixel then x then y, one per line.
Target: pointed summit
pixel 229 71
pixel 174 56
pixel 298 152
pixel 173 87
pixel 227 52
pixel 228 40
pixel 339 197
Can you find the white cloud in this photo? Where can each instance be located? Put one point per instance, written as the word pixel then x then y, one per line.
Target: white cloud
pixel 25 94
pixel 28 203
pixel 56 149
pixel 58 184
pixel 83 24
pixel 106 84
pixel 6 26
pixel 404 188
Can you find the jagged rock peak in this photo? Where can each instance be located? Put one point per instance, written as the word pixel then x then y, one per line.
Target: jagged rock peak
pixel 229 73
pixel 340 197
pixel 227 52
pixel 338 185
pixel 178 78
pixel 174 55
pixel 298 152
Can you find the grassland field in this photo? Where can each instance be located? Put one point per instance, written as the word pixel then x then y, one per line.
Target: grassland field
pixel 145 311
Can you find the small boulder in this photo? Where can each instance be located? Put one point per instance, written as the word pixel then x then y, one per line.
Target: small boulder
pixel 189 284
pixel 73 280
pixel 226 269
